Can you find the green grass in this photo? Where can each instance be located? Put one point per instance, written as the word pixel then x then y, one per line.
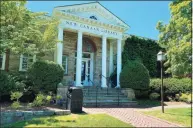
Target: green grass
pixel 73 120
pixel 180 116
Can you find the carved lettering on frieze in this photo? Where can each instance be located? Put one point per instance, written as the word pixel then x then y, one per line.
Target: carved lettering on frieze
pixel 90 27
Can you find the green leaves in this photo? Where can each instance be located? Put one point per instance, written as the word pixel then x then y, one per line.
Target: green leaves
pixel 134 75
pixel 21 30
pixel 176 38
pixel 46 75
pixel 144 50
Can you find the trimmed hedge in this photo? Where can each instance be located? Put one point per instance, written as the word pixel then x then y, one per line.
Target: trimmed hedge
pixel 144 49
pixel 172 86
pixel 154 96
pixel 45 76
pixel 134 75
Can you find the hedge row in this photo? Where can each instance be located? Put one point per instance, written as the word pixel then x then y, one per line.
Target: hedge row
pixel 42 76
pixel 144 49
pixel 172 86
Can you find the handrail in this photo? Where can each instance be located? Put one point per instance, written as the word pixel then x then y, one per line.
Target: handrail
pixel 96 89
pixel 108 79
pixel 89 79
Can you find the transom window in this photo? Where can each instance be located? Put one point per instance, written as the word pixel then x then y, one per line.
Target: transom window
pixel 2 61
pixel 65 63
pixel 26 61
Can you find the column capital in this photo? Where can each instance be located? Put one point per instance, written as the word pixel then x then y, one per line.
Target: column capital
pixel 79 31
pixel 104 37
pixel 119 39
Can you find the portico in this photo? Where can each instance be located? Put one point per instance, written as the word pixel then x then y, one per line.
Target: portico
pixel 98 23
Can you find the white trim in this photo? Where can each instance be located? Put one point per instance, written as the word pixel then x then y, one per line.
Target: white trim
pixel 21 62
pixel 79 59
pixel 91 67
pixel 119 63
pixel 3 61
pixel 104 66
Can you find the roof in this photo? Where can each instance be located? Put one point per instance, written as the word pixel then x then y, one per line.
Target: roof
pixel 100 5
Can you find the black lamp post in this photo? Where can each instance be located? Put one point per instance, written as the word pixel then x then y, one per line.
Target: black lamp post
pixel 161 58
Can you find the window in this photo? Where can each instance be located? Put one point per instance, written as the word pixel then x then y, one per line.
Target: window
pixel 26 61
pixel 93 17
pixel 65 63
pixel 2 61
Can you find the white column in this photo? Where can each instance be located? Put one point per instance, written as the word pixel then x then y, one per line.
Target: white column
pixel 79 59
pixel 59 47
pixel 119 63
pixel 104 53
pixel 111 59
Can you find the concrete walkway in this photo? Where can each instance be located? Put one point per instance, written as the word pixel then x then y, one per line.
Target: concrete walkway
pixel 132 116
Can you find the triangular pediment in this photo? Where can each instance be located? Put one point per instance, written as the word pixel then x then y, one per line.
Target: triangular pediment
pixel 93 11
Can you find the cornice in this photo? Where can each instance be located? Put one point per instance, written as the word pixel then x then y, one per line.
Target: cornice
pixel 73 17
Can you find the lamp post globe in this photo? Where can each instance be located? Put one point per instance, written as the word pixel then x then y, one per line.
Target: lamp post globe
pixel 161 56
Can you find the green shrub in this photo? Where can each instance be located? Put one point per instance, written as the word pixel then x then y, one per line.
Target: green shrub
pixel 177 97
pixel 141 94
pixel 145 49
pixel 172 86
pixel 45 76
pixel 48 99
pixel 154 96
pixel 15 96
pixel 185 98
pixel 7 83
pixel 15 105
pixel 39 101
pixel 136 76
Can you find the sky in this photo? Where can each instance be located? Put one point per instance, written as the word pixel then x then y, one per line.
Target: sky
pixel 141 16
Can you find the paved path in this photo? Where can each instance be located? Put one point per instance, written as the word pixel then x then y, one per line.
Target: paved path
pixel 130 115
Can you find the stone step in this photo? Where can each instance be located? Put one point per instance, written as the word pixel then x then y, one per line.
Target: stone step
pixel 114 90
pixel 105 98
pixel 112 103
pixel 102 93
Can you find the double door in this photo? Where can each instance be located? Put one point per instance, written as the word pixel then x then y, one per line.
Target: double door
pixel 85 72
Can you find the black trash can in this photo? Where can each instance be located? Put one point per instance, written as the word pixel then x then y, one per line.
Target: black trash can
pixel 75 99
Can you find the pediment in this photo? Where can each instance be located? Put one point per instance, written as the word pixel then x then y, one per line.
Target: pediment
pixel 93 11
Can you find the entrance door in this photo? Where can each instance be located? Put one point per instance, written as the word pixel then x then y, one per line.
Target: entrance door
pixel 85 72
pixel 86 69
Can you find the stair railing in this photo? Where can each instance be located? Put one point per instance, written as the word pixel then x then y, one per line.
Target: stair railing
pixel 96 103
pixel 107 79
pixel 89 81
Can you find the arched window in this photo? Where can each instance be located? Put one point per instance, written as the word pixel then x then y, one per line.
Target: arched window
pixel 87 46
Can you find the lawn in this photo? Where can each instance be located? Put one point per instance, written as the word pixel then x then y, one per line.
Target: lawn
pixel 180 116
pixel 73 120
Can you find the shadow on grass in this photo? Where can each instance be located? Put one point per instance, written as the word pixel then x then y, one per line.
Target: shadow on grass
pixel 142 103
pixel 146 103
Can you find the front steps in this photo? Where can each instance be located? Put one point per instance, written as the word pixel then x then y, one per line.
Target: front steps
pixel 105 97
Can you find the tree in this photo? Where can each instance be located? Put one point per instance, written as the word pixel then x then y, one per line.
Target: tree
pixel 23 31
pixel 176 38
